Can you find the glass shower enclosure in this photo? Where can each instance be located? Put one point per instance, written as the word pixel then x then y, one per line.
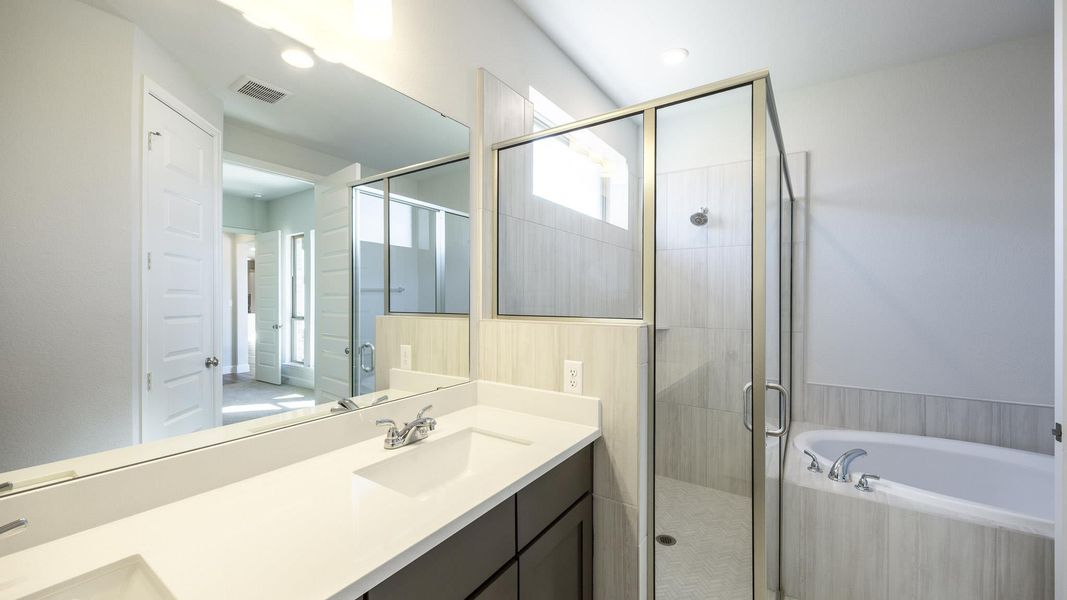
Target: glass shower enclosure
pixel 681 214
pixel 418 214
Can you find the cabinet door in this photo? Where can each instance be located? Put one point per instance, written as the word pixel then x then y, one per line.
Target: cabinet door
pixel 504 587
pixel 458 566
pixel 558 565
pixel 549 496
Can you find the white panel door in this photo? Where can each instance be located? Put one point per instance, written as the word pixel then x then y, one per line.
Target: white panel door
pixel 180 227
pixel 333 286
pixel 269 321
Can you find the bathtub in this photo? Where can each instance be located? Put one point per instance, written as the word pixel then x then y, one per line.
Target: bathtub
pixel 975 482
pixel 948 520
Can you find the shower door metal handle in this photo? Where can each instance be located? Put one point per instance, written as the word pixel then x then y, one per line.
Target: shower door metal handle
pixel 362 365
pixel 784 409
pixel 746 410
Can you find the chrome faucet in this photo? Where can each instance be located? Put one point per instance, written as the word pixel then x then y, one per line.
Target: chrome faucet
pixel 839 471
pixel 410 433
pixel 344 405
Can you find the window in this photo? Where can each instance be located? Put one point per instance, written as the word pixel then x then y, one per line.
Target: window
pixel 297 301
pixel 578 170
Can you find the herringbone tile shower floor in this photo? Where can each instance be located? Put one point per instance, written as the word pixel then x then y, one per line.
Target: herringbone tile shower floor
pixel 713 557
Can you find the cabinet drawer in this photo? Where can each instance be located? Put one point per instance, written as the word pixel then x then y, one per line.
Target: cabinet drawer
pixel 544 500
pixel 504 587
pixel 456 567
pixel 559 564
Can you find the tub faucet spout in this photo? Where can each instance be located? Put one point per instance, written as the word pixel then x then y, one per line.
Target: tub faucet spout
pixel 839 471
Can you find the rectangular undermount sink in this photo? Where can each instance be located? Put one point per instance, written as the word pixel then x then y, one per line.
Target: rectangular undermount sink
pixel 420 469
pixel 128 579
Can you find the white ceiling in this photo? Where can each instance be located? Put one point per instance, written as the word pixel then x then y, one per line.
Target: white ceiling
pixel 333 109
pixel 240 180
pixel 618 42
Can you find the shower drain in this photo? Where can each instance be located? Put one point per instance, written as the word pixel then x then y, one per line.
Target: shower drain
pixel 666 540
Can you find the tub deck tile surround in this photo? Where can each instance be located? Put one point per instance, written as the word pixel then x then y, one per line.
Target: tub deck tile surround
pixel 1025 566
pixel 934 557
pixel 834 547
pixel 1019 426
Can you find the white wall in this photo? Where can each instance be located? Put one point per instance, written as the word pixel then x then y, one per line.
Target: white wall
pixel 66 232
pixel 930 238
pixel 71 231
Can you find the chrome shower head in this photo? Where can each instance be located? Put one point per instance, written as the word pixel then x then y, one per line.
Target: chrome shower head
pixel 700 217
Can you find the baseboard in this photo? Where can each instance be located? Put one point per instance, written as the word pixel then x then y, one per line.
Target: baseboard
pixel 298 382
pixel 234 369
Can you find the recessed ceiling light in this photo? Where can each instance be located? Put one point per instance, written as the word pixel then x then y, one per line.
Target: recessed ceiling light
pixel 257 195
pixel 298 58
pixel 674 56
pixel 257 20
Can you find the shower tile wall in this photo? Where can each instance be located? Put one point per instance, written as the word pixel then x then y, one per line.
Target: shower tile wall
pixel 704 335
pixel 703 329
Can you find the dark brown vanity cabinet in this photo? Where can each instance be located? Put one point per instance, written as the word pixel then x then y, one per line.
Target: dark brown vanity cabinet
pixel 536 545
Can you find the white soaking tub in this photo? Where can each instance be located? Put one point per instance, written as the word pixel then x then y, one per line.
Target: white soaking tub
pixel 948 520
pixel 975 482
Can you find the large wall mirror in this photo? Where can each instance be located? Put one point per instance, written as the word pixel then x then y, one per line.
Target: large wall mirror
pixel 210 231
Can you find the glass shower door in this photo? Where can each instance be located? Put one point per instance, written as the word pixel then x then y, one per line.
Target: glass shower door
pixel 722 341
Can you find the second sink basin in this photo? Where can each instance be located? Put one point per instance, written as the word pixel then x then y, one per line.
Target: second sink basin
pixel 128 579
pixel 421 469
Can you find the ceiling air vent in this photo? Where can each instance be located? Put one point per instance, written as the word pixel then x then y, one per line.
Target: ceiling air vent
pixel 260 90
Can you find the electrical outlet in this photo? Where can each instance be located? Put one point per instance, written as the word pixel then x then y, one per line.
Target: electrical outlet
pixel 405 357
pixel 572 376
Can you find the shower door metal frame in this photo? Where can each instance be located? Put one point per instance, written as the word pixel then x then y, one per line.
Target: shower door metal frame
pixel 355 358
pixel 763 109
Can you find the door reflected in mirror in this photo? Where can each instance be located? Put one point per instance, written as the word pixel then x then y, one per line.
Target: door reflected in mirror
pixel 187 250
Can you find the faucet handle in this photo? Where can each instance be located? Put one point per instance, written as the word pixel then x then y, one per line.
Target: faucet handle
pixel 862 485
pixel 391 424
pixel 423 411
pixel 814 466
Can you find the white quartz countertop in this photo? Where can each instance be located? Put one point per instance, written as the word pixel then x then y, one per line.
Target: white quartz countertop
pixel 312 529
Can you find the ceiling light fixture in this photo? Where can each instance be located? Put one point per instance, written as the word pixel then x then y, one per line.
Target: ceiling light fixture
pixel 373 18
pixel 298 58
pixel 674 56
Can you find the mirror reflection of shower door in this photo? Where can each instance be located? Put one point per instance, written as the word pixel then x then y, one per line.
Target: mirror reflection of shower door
pixel 414 268
pixel 368 256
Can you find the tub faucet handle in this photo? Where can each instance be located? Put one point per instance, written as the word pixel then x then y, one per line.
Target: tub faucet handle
pixel 862 486
pixel 814 466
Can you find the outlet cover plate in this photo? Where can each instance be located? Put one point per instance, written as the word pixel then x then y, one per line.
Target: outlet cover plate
pixel 572 376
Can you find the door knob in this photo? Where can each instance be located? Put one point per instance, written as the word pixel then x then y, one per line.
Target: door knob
pixel 211 361
pixel 276 326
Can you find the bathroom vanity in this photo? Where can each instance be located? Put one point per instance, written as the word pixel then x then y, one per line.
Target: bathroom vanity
pixel 542 537
pixel 495 503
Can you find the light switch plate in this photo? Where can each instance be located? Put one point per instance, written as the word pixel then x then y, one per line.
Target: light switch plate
pixel 572 376
pixel 405 357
